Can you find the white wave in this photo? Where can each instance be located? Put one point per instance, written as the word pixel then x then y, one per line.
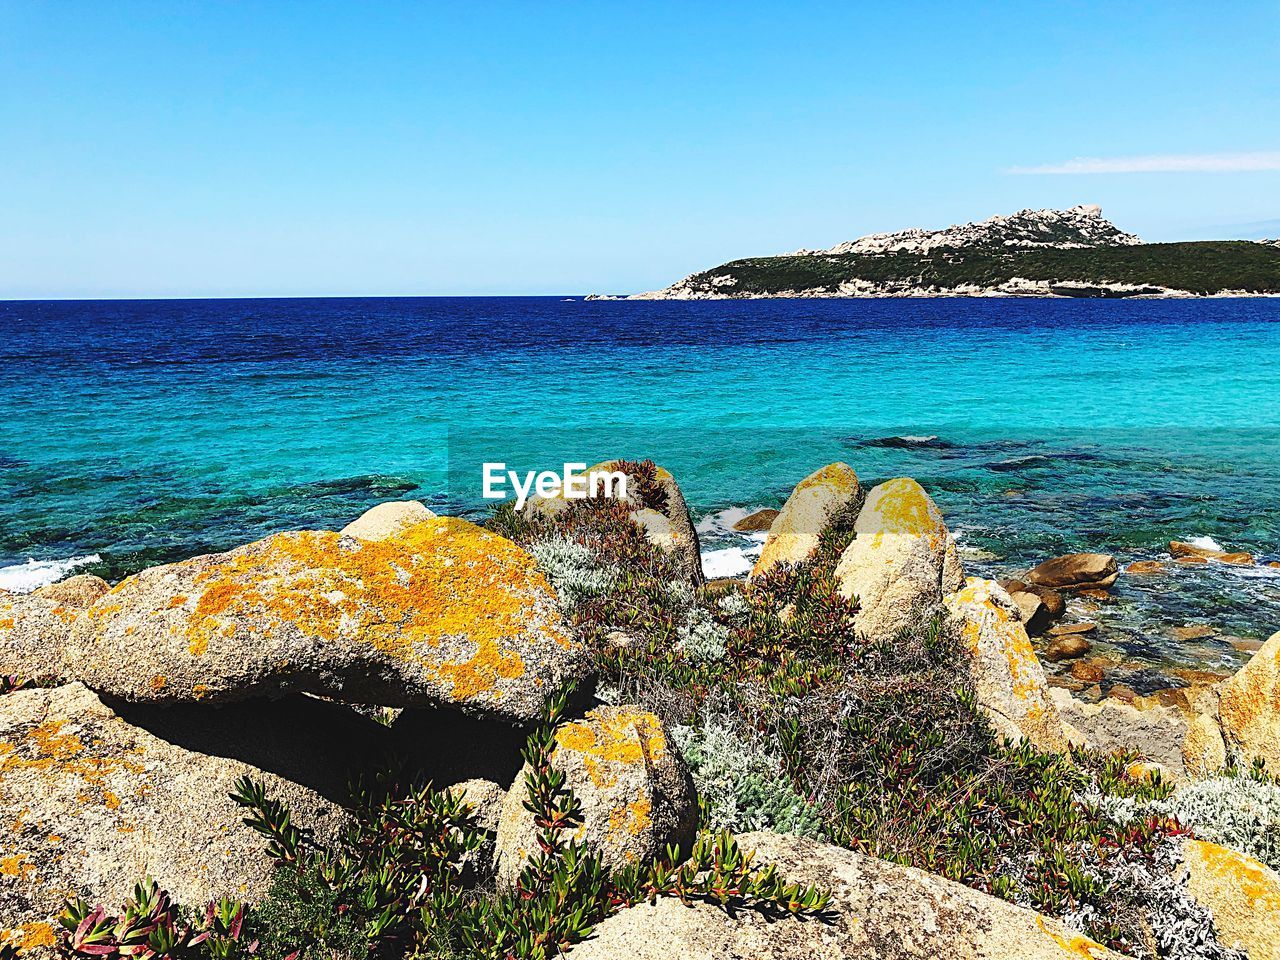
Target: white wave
pixel 25 577
pixel 1205 543
pixel 721 521
pixel 1249 573
pixel 730 561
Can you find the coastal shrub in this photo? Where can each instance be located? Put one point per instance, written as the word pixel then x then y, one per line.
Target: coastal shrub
pixel 573 569
pixel 1238 812
pixel 151 924
pixel 701 638
pixel 741 785
pixel 1149 908
pixel 1238 809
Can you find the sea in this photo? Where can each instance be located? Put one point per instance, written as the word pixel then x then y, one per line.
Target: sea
pixel 134 433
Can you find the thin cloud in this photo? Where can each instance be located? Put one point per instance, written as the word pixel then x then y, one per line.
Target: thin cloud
pixel 1162 163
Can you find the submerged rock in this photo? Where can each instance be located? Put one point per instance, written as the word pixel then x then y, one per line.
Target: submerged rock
pixel 388 520
pixel 636 793
pixel 445 613
pixel 1075 571
pixel 901 562
pixel 1007 677
pixel 1242 894
pixel 1192 552
pixel 92 802
pixel 878 910
pixel 807 512
pixel 1066 646
pixel 1145 567
pixel 1249 707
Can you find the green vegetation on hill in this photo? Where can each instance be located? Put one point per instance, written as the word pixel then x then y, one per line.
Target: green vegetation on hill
pixel 1202 268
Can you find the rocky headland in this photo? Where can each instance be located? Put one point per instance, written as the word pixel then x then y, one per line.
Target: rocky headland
pixel 548 735
pixel 1032 253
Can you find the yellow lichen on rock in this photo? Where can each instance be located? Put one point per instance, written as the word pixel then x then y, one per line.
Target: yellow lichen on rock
pixel 1008 679
pixel 1073 944
pixel 1242 894
pixel 455 613
pixel 901 562
pixel 795 532
pixel 1249 707
pixel 904 509
pixel 635 792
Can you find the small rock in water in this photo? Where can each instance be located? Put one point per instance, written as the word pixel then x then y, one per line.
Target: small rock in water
pixel 1067 647
pixel 1193 561
pixel 1193 631
pixel 758 522
pixel 1246 644
pixel 1067 629
pixel 1089 671
pixel 1076 572
pixel 1099 595
pixel 1143 567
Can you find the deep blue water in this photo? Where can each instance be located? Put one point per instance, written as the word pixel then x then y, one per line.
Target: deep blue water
pixel 145 431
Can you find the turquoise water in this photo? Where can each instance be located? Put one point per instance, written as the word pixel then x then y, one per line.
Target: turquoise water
pixel 142 432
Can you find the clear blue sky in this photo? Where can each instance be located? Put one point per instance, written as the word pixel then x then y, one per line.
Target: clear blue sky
pixel 272 148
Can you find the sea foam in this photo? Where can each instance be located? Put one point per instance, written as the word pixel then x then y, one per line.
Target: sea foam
pixel 25 577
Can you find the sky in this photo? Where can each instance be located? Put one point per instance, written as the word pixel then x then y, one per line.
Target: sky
pixel 186 149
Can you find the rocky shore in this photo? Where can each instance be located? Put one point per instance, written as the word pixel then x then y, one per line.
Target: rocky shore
pixel 547 734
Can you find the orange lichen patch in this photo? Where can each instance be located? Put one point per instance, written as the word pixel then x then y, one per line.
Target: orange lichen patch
pixel 1075 944
pixel 110 800
pixel 159 682
pixel 46 749
pixel 6 623
pixel 1254 881
pixel 200 691
pixel 65 614
pixel 176 601
pixel 631 819
pixel 101 611
pixel 444 579
pixel 16 866
pixel 901 507
pixel 479 674
pixel 54 744
pixel 622 736
pixel 29 936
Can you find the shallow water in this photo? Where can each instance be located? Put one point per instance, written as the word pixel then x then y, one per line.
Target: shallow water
pixel 147 431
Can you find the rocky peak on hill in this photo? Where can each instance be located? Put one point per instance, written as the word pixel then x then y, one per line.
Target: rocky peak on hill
pixel 1080 226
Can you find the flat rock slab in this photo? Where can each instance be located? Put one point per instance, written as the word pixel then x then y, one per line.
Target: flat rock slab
pixel 92 803
pixel 445 613
pixel 880 911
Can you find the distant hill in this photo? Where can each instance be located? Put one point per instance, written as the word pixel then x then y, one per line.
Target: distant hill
pixel 1072 253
